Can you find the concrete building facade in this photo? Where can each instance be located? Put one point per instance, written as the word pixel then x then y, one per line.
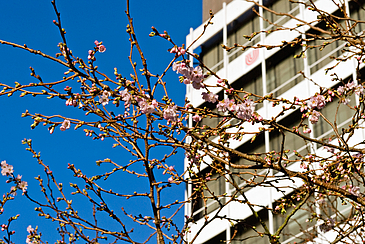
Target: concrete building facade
pixel 263 72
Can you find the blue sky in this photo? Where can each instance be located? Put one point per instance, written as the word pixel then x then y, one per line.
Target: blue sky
pixel 30 22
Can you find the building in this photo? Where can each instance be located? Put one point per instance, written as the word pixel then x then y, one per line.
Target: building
pixel 262 72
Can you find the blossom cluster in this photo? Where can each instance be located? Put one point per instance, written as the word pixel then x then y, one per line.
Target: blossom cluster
pixel 244 110
pixel 169 113
pixel 354 190
pixel 7 170
pixel 178 50
pixel 358 89
pixel 32 238
pixel 191 75
pixel 145 106
pixel 317 102
pixel 104 97
pixel 99 47
pixel 210 97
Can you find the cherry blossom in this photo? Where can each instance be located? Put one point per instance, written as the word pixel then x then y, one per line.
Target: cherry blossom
pixel 315 117
pixel 13 191
pixel 210 97
pixel 145 106
pixel 30 229
pixel 104 98
pixel 169 113
pixel 359 90
pixel 341 90
pixel 196 118
pixel 307 130
pixel 126 97
pixel 102 48
pixel 23 186
pixel 178 50
pixel 226 105
pixel 191 75
pixel 6 169
pixel 245 110
pixel 318 101
pixel 71 102
pixel 345 101
pixel 65 125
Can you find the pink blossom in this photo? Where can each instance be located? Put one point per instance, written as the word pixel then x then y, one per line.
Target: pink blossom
pixel 315 117
pixel 307 130
pixel 303 107
pixel 104 98
pixel 191 75
pixel 340 90
pixel 91 55
pixel 355 190
pixel 171 168
pixel 30 229
pixel 145 106
pixel 245 110
pixel 226 105
pixel 6 169
pixel 102 48
pixel 170 179
pixel 197 118
pixel 154 103
pixel 65 125
pixel 359 89
pixel 345 101
pixel 173 50
pixel 13 190
pixel 169 113
pixel 318 101
pixel 71 102
pixel 350 85
pixel 178 50
pixel 23 186
pixel 210 97
pixel 126 97
pixel 96 43
pixel 182 51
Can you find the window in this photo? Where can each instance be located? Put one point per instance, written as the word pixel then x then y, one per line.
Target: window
pixel 357 12
pixel 292 141
pixel 248 176
pixel 221 238
pixel 280 6
pixel 204 202
pixel 251 25
pixel 319 56
pixel 329 111
pixel 282 70
pixel 296 231
pixel 243 232
pixel 251 82
pixel 212 54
